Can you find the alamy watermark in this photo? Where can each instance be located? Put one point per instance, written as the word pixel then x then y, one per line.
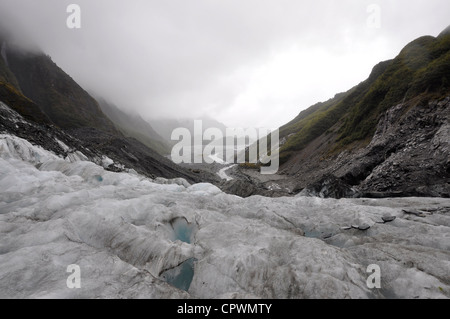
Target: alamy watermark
pixel 74 279
pixel 251 145
pixel 373 20
pixel 374 280
pixel 74 19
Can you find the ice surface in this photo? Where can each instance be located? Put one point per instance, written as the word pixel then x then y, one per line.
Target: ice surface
pixel 14 147
pixel 106 161
pixel 119 230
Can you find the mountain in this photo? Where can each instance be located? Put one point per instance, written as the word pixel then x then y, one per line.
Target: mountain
pixel 34 86
pixel 67 104
pixel 6 76
pixel 387 136
pixel 134 126
pixel 445 32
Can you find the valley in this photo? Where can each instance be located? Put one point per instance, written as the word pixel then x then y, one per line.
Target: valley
pixel 358 186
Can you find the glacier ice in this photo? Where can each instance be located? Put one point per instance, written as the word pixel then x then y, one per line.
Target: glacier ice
pixel 106 161
pixel 126 232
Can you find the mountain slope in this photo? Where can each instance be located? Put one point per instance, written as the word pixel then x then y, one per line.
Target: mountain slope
pixel 346 130
pixel 60 97
pixel 320 118
pixel 420 70
pixel 134 126
pixel 34 86
pixel 6 76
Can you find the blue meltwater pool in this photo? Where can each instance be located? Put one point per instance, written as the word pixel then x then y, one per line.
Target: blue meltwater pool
pixel 182 275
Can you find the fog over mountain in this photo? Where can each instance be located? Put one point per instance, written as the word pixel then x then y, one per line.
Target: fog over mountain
pixel 252 63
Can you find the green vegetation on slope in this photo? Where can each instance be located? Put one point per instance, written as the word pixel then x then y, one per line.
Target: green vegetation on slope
pixel 21 104
pixel 326 116
pixel 59 96
pixel 6 75
pixel 422 69
pixel 134 126
pixel 158 146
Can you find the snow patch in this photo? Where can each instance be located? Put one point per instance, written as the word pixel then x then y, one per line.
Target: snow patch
pixel 106 161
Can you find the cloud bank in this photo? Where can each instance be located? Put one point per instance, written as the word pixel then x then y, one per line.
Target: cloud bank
pixel 246 63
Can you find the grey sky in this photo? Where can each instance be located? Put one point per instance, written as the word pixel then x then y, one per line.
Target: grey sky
pixel 243 62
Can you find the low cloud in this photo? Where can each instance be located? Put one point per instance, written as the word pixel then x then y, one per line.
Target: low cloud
pixel 247 63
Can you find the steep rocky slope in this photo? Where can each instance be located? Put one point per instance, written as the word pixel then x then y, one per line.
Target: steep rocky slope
pixel 133 125
pixel 52 102
pixel 67 104
pixel 409 155
pixel 388 136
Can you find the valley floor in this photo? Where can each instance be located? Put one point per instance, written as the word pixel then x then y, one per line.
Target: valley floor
pixel 133 237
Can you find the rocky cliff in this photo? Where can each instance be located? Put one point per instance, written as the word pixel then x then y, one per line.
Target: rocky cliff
pixel 409 155
pixel 387 136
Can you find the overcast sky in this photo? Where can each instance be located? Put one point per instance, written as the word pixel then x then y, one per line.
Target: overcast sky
pixel 247 63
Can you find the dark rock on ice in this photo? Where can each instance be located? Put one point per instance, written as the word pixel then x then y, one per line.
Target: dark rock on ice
pixel 388 219
pixel 364 227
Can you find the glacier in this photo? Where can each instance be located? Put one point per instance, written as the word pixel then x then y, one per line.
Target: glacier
pixel 131 235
